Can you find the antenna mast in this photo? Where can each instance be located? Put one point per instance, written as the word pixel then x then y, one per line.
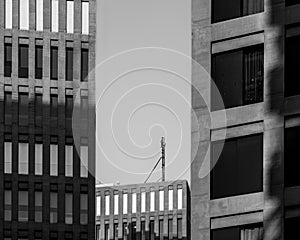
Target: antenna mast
pixel 163 163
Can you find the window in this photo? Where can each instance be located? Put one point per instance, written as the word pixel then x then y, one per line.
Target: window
pixel 161 200
pixel 69 111
pixel 84 111
pixel 24 14
pixel 23 109
pixel 85 17
pixel 38 62
pixel 70 16
pixel 98 232
pixel 291 226
pixel 179 228
pixel 133 198
pixel 69 62
pixel 69 158
pixel 143 230
pixel 143 201
pixel 84 158
pixel 238 170
pixel 7 155
pixel 53 157
pixel 107 205
pixel 39 15
pixel 222 10
pixel 125 231
pixel 68 208
pixel 54 15
pixel 125 203
pixel 106 231
pixel 83 208
pixel 38 156
pixel 251 232
pixel 54 62
pixel 7 204
pixel 161 229
pixel 23 154
pixel 116 203
pixel 53 106
pixel 23 206
pixel 53 207
pixel 152 201
pixel 179 197
pixel 8 13
pixel 133 231
pixel 38 109
pixel 170 193
pixel 292 51
pixel 170 228
pixel 238 75
pixel 8 108
pixel 116 230
pixel 7 59
pixel 38 206
pixel 23 61
pixel 291 146
pixel 291 2
pixel 151 230
pixel 98 203
pixel 84 64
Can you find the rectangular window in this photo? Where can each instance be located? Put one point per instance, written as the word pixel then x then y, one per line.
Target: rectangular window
pixel 85 17
pixel 238 76
pixel 133 199
pixel 23 155
pixel 291 149
pixel 69 62
pixel 179 228
pixel 170 228
pixel 53 207
pixel 179 197
pixel 69 208
pixel 143 201
pixel 23 61
pixel 84 111
pixel 23 109
pixel 125 231
pixel 116 203
pixel 161 200
pixel 152 201
pixel 241 232
pixel 222 10
pixel 116 231
pixel 291 226
pixel 7 205
pixel 106 232
pixel 292 51
pixel 84 157
pixel 161 229
pixel 38 109
pixel 54 15
pixel 69 160
pixel 107 205
pixel 84 64
pixel 53 157
pixel 39 15
pixel 8 14
pixel 53 106
pixel 23 206
pixel 24 14
pixel 151 230
pixel 143 230
pixel 8 108
pixel 69 111
pixel 70 16
pixel 238 170
pixel 38 156
pixel 7 59
pixel 98 205
pixel 8 157
pixel 98 233
pixel 83 208
pixel 170 194
pixel 125 203
pixel 38 62
pixel 133 231
pixel 38 206
pixel 54 62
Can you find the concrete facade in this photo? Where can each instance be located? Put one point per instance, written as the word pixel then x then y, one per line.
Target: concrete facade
pixel 270 117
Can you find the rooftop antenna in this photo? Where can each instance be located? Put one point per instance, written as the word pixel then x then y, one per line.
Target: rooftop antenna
pixel 163 160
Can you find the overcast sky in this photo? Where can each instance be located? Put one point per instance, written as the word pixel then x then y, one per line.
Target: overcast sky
pixel 142 88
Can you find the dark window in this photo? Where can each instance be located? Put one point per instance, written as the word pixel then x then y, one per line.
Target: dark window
pixel 125 231
pixel 291 2
pixel 53 106
pixel 238 75
pixel 292 52
pixel 23 109
pixel 97 232
pixel 225 10
pixel 170 228
pixel 151 230
pixel 238 170
pixel 133 231
pixel 54 63
pixel 179 228
pixel 7 59
pixel 69 111
pixel 291 150
pixel 38 109
pixel 291 227
pixel 106 232
pixel 38 62
pixel 69 64
pixel 143 230
pixel 8 108
pixel 23 61
pixel 254 231
pixel 161 229
pixel 116 228
pixel 84 64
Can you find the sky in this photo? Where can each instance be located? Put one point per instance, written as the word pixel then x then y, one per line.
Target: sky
pixel 142 89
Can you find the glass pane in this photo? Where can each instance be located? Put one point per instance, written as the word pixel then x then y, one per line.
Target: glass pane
pixel 152 201
pixel 38 206
pixel 70 16
pixel 39 159
pixel 23 109
pixel 7 157
pixel 69 63
pixel 98 205
pixel 53 159
pixel 116 204
pixel 38 62
pixel 84 153
pixel 179 198
pixel 68 208
pixel 8 13
pixel 24 14
pixel 53 207
pixel 170 199
pixel 125 203
pixel 7 205
pixel 23 61
pixel 7 59
pixel 83 208
pixel 23 206
pixel 69 160
pixel 85 17
pixel 161 200
pixel 133 202
pixel 107 206
pixel 23 158
pixel 84 64
pixel 39 15
pixel 143 202
pixel 54 62
pixel 54 16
